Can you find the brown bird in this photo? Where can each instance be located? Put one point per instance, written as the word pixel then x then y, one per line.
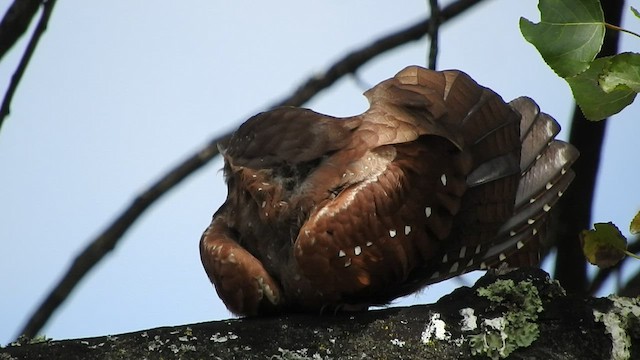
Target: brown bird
pixel 437 178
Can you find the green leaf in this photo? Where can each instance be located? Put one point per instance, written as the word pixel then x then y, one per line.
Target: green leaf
pixel 624 70
pixel 593 101
pixel 569 35
pixel 634 228
pixel 635 12
pixel 605 246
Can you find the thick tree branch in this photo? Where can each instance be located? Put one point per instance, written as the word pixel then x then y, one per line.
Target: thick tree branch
pixel 538 322
pixel 106 241
pixel 588 137
pixel 47 8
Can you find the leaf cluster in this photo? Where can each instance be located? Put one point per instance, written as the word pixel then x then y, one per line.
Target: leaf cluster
pixel 569 37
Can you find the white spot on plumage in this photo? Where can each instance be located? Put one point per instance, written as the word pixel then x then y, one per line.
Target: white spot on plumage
pixel 259 189
pixel 548 186
pixel 560 193
pixel 532 200
pixel 427 211
pixel 512 233
pixel 347 263
pixel 534 231
pixel 563 171
pixel 478 248
pixel 470 263
pixel 502 256
pixel 445 258
pixel 538 156
pixel 357 250
pixel 407 229
pixel 483 265
pixel 463 251
pixel 530 221
pixel 435 275
pixel 546 208
pixel 369 243
pixel 443 179
pixel 342 254
pixel 454 267
pixel 264 203
pixel 519 245
pixel 392 233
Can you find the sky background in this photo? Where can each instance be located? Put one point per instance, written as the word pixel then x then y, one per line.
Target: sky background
pixel 119 92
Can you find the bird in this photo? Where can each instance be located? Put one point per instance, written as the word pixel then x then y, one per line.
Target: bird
pixel 438 177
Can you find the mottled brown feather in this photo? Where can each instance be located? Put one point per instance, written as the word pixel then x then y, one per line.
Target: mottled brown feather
pixel 438 177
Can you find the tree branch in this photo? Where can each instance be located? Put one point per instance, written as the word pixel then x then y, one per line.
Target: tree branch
pixel 523 315
pixel 588 137
pixel 106 241
pixel 16 22
pixel 47 8
pixel 434 27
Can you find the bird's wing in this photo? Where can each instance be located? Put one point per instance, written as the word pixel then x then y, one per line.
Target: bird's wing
pixel 240 278
pixel 384 233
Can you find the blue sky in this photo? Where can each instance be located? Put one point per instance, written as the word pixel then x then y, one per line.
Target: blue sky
pixel 118 92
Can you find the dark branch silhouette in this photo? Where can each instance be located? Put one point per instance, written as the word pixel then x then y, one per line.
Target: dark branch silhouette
pixel 588 137
pixel 434 27
pixel 106 241
pixel 16 22
pixel 47 8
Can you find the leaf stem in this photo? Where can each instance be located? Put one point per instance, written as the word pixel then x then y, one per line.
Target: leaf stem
pixel 631 254
pixel 618 28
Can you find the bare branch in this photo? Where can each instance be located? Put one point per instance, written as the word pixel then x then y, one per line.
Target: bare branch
pixel 106 241
pixel 588 137
pixel 47 8
pixel 16 22
pixel 434 28
pixel 564 330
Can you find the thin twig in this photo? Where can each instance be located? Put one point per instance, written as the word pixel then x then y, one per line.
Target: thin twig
pixel 106 241
pixel 434 27
pixel 16 22
pixel 356 59
pixel 47 8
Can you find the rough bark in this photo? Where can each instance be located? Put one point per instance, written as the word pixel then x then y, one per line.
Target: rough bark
pixel 567 328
